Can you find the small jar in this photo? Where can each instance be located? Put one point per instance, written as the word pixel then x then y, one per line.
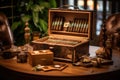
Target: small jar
pixel 36 35
pixel 22 57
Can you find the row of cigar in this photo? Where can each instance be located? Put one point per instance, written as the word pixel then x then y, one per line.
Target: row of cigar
pixel 57 23
pixel 79 25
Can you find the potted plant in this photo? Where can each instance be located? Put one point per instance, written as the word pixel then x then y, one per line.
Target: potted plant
pixel 35 12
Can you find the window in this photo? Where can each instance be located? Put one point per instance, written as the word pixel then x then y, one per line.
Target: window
pixel 90 6
pixel 7 7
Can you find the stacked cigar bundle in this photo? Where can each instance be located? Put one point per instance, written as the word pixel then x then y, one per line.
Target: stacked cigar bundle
pixel 78 25
pixel 57 23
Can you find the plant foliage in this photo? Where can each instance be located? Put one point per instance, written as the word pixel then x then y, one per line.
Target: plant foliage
pixel 35 12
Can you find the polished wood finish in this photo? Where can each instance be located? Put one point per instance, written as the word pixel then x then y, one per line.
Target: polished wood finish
pixel 67 25
pixel 11 70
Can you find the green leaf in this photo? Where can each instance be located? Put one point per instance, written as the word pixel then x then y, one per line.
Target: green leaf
pixel 43 25
pixel 37 8
pixel 25 18
pixel 35 17
pixel 45 4
pixel 29 5
pixel 53 3
pixel 15 25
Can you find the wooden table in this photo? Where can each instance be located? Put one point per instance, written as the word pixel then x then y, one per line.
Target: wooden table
pixel 11 70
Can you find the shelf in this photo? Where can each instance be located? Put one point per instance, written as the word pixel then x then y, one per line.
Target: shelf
pixel 7 7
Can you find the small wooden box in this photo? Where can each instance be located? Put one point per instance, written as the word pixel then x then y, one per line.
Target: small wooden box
pixel 42 57
pixel 69 34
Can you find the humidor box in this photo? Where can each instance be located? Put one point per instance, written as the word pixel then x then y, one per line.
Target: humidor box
pixel 69 34
pixel 42 57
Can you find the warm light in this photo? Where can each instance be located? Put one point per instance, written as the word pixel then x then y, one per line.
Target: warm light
pixel 80 2
pixel 90 4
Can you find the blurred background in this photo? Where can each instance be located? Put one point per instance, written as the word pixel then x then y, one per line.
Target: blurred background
pixel 103 9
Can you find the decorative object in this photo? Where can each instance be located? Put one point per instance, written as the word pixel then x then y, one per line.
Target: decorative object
pixel 36 35
pixel 54 67
pixel 42 57
pixel 109 35
pixel 27 33
pixel 22 57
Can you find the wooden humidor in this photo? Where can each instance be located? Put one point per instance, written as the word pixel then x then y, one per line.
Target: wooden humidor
pixel 69 34
pixel 42 57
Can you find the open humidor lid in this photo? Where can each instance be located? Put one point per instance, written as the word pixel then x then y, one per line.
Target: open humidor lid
pixel 67 22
